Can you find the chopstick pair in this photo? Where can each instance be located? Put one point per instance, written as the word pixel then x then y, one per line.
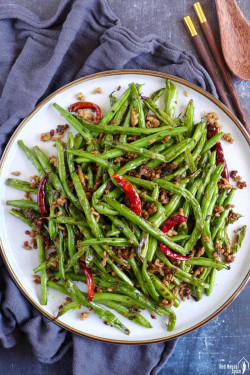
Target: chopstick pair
pixel 220 61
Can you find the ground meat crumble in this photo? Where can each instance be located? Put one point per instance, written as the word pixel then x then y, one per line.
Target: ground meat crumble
pixel 80 96
pixel 152 121
pixel 240 184
pixel 98 90
pixel 134 117
pixel 228 137
pixel 60 202
pixel 84 315
pixel 86 115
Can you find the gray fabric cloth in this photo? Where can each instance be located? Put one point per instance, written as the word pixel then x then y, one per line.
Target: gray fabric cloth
pixel 37 57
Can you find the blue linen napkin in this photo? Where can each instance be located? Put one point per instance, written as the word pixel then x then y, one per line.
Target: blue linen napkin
pixel 38 57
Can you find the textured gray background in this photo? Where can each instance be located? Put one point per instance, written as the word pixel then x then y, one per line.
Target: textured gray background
pixel 226 339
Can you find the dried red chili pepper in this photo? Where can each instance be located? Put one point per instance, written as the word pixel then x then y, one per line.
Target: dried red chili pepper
pixel 169 224
pixel 172 221
pixel 89 105
pixel 221 159
pixel 131 193
pixel 41 196
pixel 90 281
pixel 211 131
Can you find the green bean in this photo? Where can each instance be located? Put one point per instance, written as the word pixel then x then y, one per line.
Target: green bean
pixel 23 204
pixel 163 116
pixel 77 141
pixel 199 146
pixel 207 240
pixel 59 248
pixel 113 232
pixel 145 225
pixel 125 300
pixel 172 152
pixel 171 321
pixel 139 151
pixel 53 178
pixel 67 220
pixel 124 229
pixel 19 215
pixel 199 289
pixel 170 98
pixel 189 118
pixel 154 97
pixel 218 223
pixel 199 138
pixel 143 142
pixel 126 124
pixel 190 161
pixel 156 192
pixel 149 185
pixel 150 285
pixel 221 198
pixel 100 206
pixel 207 175
pixel 110 241
pixel 31 157
pixel 164 291
pixel 65 308
pixel 152 246
pixel 137 273
pixel 90 178
pixel 201 261
pixel 194 186
pixel 74 122
pixel 190 178
pixel 112 98
pixel 210 188
pixel 114 109
pixel 240 239
pixel 135 317
pixel 112 129
pixel 137 106
pixel 212 204
pixel 179 172
pixel 46 264
pixel 20 185
pixel 85 205
pixel 211 142
pixel 62 174
pixel 52 227
pixel 91 157
pixel 71 243
pixel 211 282
pixel 120 114
pixel 44 276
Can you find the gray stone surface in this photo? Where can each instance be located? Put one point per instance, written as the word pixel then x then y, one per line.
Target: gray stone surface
pixel 225 339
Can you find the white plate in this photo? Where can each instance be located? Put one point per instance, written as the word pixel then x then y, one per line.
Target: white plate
pixel 21 262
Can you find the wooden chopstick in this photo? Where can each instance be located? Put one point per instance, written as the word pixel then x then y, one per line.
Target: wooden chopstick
pixel 207 62
pixel 221 64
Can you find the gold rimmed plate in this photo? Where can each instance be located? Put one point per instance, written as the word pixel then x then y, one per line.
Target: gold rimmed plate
pixel 20 262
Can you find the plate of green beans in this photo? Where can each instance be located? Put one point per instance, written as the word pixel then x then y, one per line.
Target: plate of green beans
pixel 124 207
